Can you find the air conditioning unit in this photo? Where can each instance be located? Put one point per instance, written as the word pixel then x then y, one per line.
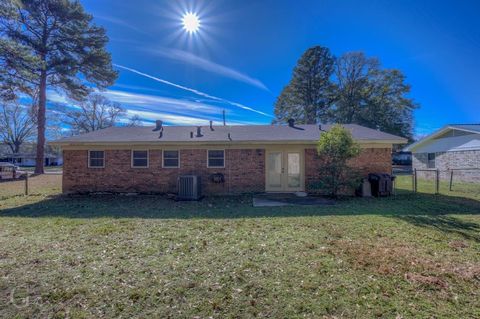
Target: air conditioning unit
pixel 189 187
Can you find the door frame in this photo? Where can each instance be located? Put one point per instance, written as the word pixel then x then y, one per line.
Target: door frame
pixel 285 150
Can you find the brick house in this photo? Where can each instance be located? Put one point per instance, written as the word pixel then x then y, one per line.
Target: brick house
pixel 454 148
pixel 250 158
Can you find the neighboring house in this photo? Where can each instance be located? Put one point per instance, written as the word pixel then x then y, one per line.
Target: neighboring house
pixel 453 147
pixel 252 158
pixel 27 154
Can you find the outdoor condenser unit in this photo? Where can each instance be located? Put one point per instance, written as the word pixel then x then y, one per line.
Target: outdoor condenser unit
pixel 189 187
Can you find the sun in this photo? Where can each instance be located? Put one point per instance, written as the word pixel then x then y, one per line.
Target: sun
pixel 191 22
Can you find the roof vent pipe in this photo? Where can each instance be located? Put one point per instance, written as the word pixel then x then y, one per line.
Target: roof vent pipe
pixel 158 125
pixel 291 122
pixel 211 126
pixel 191 134
pixel 199 131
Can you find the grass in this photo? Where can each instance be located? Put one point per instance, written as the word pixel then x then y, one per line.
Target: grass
pixel 415 255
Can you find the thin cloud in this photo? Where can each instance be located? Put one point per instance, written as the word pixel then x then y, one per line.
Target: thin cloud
pixel 167 117
pixel 119 22
pixel 204 64
pixel 147 118
pixel 172 104
pixel 215 98
pixel 154 107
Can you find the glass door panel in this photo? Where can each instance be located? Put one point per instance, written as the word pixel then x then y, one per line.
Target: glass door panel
pixel 293 170
pixel 274 173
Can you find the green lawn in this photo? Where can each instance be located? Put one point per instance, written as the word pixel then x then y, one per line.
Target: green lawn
pixel 415 255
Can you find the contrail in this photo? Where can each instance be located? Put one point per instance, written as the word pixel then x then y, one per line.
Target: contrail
pixel 207 65
pixel 192 90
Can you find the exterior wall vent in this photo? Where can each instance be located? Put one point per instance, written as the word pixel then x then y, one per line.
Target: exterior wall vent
pixel 189 187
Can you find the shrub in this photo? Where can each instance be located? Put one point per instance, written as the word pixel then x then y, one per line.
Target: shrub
pixel 335 148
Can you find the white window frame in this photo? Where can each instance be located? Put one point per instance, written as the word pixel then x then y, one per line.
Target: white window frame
pixel 224 158
pixel 163 159
pixel 104 158
pixel 148 159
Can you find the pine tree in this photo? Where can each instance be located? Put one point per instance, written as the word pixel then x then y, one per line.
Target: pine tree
pixel 51 44
pixel 308 96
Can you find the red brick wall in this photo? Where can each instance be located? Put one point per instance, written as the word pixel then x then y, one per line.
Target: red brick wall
pixel 244 172
pixel 370 160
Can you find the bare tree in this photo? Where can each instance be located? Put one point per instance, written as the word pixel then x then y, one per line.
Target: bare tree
pixel 17 124
pixel 95 113
pixel 135 121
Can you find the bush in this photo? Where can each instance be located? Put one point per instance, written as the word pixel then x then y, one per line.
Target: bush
pixel 335 148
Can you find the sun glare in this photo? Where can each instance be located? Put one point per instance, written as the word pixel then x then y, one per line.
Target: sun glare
pixel 191 22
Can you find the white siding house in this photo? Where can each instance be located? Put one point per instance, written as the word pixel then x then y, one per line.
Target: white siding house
pixel 453 147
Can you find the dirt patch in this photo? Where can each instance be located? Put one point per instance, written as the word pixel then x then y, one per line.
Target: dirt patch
pixel 428 281
pixel 389 258
pixel 458 244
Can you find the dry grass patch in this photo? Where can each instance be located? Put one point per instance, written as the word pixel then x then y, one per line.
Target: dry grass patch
pixel 389 257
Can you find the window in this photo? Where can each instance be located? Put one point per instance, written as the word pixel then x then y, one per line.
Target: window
pixel 216 158
pixel 96 159
pixel 171 159
pixel 431 160
pixel 139 158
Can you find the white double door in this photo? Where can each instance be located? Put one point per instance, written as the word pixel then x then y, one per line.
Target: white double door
pixel 285 170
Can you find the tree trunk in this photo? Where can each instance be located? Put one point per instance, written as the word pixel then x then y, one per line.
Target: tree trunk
pixel 16 147
pixel 12 147
pixel 42 101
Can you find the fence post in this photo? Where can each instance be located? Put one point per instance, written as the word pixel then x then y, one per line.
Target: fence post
pixel 26 183
pixel 437 181
pixel 415 180
pixel 451 179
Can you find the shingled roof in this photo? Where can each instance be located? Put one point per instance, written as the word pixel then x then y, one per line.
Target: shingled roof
pixel 223 134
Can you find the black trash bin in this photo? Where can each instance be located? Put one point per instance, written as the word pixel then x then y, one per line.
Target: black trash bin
pixel 381 183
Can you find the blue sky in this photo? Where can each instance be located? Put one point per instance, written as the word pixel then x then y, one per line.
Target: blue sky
pixel 245 51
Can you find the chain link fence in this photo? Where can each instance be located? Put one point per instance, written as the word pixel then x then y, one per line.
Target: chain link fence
pixel 447 182
pixel 31 184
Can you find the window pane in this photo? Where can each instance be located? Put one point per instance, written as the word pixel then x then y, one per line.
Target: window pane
pixel 215 153
pixel 140 154
pixel 96 158
pixel 275 169
pixel 96 154
pixel 170 162
pixel 431 160
pixel 215 162
pixel 293 163
pixel 140 162
pixel 96 162
pixel 216 158
pixel 170 154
